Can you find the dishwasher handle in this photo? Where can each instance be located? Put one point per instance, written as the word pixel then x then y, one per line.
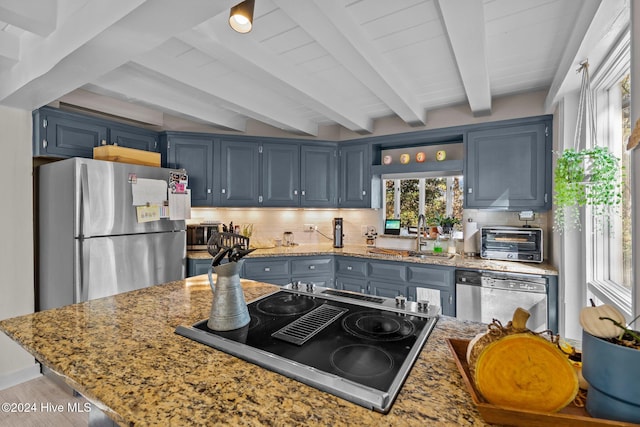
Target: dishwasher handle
pixel 514 285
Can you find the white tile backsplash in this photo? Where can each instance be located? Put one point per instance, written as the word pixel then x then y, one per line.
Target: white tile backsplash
pixel 271 223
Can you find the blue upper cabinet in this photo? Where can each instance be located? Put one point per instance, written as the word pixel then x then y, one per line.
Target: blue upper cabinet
pixel 196 153
pixel 140 139
pixel 239 170
pixel 509 166
pixel 67 134
pixel 280 183
pixel 355 176
pixel 318 178
pixel 62 134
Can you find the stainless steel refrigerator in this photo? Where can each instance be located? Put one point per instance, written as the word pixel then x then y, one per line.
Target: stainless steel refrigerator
pixel 91 244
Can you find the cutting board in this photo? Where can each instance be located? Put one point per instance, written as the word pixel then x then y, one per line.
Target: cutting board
pixel 385 251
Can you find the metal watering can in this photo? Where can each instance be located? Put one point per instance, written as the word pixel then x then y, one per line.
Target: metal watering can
pixel 228 309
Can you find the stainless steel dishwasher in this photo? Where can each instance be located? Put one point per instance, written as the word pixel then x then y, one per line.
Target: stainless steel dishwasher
pixel 486 295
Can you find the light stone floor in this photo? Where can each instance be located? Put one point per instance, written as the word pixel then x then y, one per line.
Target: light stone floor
pixel 41 403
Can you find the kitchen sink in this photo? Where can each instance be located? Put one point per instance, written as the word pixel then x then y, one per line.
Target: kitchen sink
pixel 427 255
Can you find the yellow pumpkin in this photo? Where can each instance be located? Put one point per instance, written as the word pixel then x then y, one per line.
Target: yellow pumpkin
pixel 593 321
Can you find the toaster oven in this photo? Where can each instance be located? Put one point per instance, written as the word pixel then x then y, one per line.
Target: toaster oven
pixel 198 235
pixel 512 244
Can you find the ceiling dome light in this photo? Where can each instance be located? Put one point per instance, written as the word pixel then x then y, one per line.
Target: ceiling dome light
pixel 241 16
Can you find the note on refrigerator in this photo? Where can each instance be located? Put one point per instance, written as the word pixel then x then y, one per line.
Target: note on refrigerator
pixel 180 205
pixel 148 213
pixel 149 192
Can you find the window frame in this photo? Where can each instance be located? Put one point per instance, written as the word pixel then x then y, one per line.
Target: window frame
pixel 599 240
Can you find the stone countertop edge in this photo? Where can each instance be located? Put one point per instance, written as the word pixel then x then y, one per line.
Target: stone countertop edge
pixel 123 355
pixel 361 251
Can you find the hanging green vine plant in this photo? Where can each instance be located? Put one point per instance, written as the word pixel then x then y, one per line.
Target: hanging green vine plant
pixel 588 177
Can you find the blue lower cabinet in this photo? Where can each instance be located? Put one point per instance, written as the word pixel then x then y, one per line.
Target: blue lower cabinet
pixel 323 281
pixel 351 284
pixel 388 289
pixel 196 267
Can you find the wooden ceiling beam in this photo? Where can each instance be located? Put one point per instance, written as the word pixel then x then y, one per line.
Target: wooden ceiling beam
pixel 94 40
pixel 242 95
pixel 464 25
pixel 247 56
pixel 330 25
pixel 139 86
pixel 35 17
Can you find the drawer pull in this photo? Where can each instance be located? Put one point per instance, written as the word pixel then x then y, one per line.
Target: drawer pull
pixel 349 268
pixel 267 269
pixel 312 267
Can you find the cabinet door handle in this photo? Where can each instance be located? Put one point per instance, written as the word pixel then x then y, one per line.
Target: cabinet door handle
pixel 208 191
pixel 44 143
pixel 470 190
pixel 312 267
pixel 103 142
pixel 295 192
pixel 224 191
pixel 349 268
pixel 267 269
pixel 364 192
pixel 303 192
pixel 450 299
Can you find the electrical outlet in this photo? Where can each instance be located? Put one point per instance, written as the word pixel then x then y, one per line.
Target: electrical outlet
pixel 309 227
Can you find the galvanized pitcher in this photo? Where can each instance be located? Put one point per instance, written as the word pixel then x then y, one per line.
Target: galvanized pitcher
pixel 229 309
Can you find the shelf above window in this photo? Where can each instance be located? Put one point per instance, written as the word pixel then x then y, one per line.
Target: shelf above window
pixel 443 168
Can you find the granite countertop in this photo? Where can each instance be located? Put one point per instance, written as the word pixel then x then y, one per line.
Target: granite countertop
pixel 122 354
pixel 363 251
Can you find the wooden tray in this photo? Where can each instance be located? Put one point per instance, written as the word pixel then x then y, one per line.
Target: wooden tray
pixel 569 416
pixel 114 153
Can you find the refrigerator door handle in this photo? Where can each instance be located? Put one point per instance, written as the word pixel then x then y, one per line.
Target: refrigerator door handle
pixel 85 212
pixel 81 273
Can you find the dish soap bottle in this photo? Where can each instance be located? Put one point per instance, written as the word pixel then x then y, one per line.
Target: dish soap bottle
pixel 437 245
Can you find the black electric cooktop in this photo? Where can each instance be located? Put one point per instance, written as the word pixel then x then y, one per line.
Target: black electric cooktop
pixel 356 346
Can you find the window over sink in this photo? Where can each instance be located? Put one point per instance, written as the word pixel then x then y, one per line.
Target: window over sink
pixel 406 198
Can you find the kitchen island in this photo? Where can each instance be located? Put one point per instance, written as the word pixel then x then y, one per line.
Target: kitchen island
pixel 122 354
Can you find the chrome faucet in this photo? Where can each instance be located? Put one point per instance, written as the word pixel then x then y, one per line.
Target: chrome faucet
pixel 421 220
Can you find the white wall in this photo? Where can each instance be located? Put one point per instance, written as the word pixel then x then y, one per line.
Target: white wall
pixel 16 242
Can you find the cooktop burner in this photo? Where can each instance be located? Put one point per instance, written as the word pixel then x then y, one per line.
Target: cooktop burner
pixel 355 346
pixel 378 326
pixel 361 360
pixel 285 305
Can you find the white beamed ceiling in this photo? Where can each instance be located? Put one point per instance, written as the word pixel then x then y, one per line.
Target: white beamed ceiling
pixel 306 63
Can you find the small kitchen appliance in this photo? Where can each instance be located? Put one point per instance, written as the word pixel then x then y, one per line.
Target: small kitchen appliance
pixel 287 238
pixel 198 235
pixel 338 233
pixel 355 346
pixel 511 243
